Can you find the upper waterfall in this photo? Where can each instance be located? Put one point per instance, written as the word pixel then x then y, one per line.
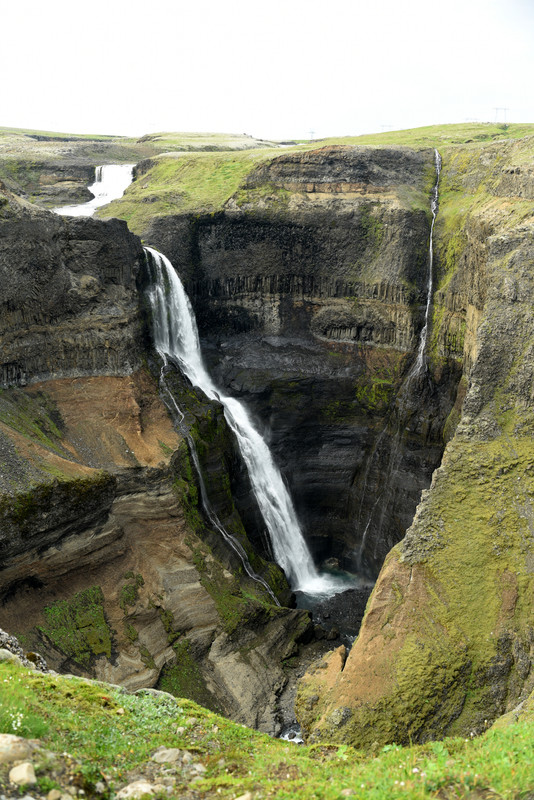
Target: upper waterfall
pixel 111 181
pixel 176 335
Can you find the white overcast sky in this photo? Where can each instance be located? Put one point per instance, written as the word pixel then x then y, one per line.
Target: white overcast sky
pixel 276 69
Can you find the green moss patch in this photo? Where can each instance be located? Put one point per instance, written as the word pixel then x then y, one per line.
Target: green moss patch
pixel 34 415
pixel 129 592
pixel 28 511
pixel 175 184
pixel 183 678
pixel 113 734
pixel 380 382
pixel 78 627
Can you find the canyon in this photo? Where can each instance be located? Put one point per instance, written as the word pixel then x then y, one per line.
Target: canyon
pixel 309 285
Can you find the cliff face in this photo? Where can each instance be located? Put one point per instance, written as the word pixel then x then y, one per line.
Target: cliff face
pixel 49 184
pixel 309 291
pixel 309 288
pixel 68 302
pixel 108 566
pixel 446 644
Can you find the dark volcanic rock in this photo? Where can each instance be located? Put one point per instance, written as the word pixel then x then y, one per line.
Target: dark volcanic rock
pixel 309 292
pixel 47 182
pixel 343 613
pixel 68 298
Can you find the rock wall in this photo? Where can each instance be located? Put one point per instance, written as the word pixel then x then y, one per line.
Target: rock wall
pixel 49 184
pixel 108 564
pixel 309 291
pixel 68 297
pixel 446 643
pixel 109 567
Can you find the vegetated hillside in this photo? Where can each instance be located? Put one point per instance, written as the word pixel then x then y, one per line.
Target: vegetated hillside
pixel 55 169
pixel 190 183
pixel 181 183
pixel 92 740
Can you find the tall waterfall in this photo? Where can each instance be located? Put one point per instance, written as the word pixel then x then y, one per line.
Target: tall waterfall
pixel 176 335
pixel 403 400
pixel 111 181
pixel 230 540
pixel 419 364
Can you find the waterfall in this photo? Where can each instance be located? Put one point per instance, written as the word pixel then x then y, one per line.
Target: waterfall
pixel 230 540
pixel 111 181
pixel 176 336
pixel 419 365
pixel 418 368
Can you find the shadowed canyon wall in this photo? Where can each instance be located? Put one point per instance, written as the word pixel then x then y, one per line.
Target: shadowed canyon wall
pixel 309 291
pixel 446 643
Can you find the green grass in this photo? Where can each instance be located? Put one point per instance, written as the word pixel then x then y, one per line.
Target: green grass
pixel 439 136
pixel 113 734
pixel 187 141
pixel 148 144
pixel 176 184
pixel 78 627
pixel 180 183
pixel 34 416
pixel 9 132
pixel 174 140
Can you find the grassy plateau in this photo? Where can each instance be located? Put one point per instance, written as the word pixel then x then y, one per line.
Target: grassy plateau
pixel 191 182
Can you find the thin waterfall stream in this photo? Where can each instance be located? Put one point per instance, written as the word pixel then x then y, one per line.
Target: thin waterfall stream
pixel 420 364
pixel 417 370
pixel 176 338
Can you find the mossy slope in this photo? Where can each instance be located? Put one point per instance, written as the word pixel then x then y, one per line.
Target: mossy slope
pixel 106 736
pixel 181 182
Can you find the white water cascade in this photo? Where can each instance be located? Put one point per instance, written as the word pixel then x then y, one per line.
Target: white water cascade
pixel 111 181
pixel 419 364
pixel 230 540
pixel 176 336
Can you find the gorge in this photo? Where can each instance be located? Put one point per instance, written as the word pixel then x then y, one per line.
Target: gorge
pixel 394 391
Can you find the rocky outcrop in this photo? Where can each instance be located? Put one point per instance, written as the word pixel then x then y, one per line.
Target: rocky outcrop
pixel 50 184
pixel 446 644
pixel 109 568
pixel 68 298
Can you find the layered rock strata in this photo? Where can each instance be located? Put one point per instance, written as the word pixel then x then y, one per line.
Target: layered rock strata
pixel 309 291
pixel 446 643
pixel 68 303
pixel 108 565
